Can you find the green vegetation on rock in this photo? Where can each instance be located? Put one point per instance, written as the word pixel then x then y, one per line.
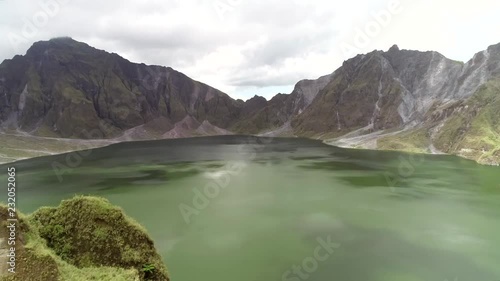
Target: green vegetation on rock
pixel 416 141
pixel 85 238
pixel 64 88
pixel 474 132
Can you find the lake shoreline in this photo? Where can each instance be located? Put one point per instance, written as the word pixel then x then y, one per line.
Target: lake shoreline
pixel 75 145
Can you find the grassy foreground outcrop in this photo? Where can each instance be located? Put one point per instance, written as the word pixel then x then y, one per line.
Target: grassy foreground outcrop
pixel 84 238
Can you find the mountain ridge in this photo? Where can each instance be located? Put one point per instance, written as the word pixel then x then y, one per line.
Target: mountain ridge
pixel 62 87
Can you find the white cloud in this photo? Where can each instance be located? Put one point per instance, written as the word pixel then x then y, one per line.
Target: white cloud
pixel 258 46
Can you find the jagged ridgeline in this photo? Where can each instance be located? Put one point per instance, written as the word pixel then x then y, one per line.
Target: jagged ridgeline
pixel 84 238
pixel 65 88
pixel 412 101
pixel 399 99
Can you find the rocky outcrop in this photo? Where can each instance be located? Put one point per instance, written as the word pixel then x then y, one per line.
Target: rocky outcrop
pixel 85 238
pixel 273 117
pixel 362 94
pixel 65 88
pixel 68 89
pixel 373 96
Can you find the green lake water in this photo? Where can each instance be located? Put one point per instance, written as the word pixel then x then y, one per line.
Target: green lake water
pixel 246 209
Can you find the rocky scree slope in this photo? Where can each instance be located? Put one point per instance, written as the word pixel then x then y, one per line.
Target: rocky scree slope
pixel 399 99
pixel 410 100
pixel 65 88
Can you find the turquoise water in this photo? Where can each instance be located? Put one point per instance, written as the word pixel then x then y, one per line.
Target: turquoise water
pixel 248 209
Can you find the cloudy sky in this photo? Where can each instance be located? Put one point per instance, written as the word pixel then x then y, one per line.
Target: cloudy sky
pixel 249 47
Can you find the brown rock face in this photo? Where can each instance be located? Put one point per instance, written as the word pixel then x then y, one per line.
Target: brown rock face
pixel 363 93
pixel 66 88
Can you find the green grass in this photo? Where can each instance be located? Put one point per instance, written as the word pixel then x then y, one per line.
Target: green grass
pixel 416 141
pixel 474 132
pixel 15 147
pixel 85 238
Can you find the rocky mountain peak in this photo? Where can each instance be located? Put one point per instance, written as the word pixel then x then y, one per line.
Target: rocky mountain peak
pixel 64 88
pixel 394 48
pixel 58 44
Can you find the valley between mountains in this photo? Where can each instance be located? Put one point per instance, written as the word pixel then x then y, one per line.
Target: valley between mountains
pixel 65 95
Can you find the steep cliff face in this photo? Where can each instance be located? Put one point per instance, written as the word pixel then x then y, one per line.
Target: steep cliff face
pixel 362 94
pixel 409 100
pixel 391 89
pixel 66 88
pixel 273 117
pixel 304 93
pixel 473 130
pixel 398 99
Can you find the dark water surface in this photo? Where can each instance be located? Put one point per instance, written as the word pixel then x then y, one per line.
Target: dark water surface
pixel 247 209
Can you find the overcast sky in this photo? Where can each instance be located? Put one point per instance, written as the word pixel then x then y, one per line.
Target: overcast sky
pixel 248 47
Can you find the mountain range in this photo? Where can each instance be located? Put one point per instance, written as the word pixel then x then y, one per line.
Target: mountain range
pixel 394 100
